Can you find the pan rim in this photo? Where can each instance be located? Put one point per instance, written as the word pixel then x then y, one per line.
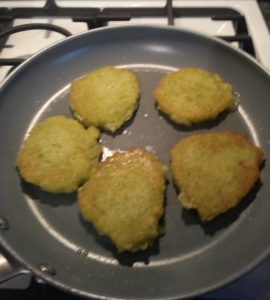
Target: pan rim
pixel 75 291
pixel 124 27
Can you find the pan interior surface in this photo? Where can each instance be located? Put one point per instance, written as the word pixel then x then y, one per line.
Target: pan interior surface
pixel 48 228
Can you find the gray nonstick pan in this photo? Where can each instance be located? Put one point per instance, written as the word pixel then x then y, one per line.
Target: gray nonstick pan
pixel 45 233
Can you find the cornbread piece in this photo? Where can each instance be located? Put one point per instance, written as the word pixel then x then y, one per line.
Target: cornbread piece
pixel 192 95
pixel 124 199
pixel 59 154
pixel 214 171
pixel 105 98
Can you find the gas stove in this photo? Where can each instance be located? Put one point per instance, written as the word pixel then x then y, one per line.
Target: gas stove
pixel 238 22
pixel 29 26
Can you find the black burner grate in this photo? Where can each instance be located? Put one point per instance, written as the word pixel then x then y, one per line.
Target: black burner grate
pixel 95 17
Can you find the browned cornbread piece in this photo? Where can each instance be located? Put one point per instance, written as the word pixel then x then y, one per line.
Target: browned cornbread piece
pixel 214 171
pixel 124 199
pixel 193 95
pixel 59 154
pixel 105 98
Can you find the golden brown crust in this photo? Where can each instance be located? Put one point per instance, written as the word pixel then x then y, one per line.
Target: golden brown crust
pixel 193 95
pixel 105 98
pixel 214 171
pixel 124 199
pixel 59 154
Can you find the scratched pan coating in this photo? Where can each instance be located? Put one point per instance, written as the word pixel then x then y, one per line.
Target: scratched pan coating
pixel 190 258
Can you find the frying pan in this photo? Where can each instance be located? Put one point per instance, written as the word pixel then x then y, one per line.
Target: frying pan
pixel 46 233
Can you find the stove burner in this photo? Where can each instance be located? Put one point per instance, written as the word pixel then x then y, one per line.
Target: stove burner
pixel 95 17
pixel 6 33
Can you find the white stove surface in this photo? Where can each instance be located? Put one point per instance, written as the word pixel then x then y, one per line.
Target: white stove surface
pixel 25 44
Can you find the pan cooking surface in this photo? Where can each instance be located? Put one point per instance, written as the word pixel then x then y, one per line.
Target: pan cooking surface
pixel 47 228
pixel 153 131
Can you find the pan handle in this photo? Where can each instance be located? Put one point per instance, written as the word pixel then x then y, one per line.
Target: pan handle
pixel 9 269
